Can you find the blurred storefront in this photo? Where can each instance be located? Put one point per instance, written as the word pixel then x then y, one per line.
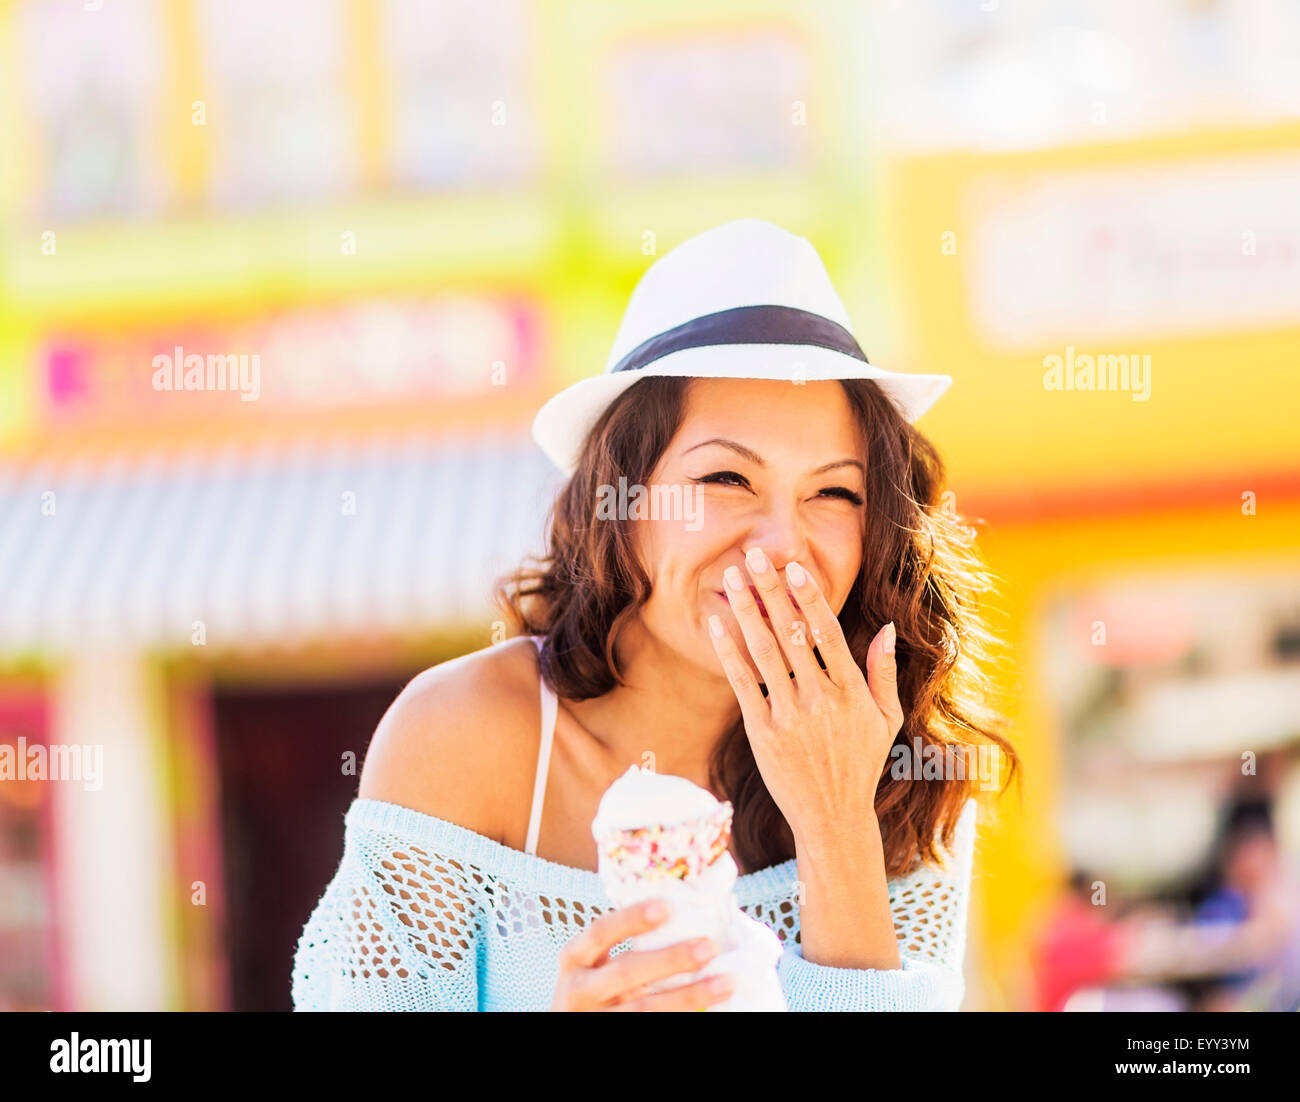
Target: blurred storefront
pixel 1144 522
pixel 282 285
pixel 269 346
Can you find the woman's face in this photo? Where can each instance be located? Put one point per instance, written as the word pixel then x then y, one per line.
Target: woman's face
pixel 759 463
pixel 1252 863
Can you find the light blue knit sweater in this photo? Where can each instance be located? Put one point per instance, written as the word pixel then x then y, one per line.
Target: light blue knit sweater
pixel 427 915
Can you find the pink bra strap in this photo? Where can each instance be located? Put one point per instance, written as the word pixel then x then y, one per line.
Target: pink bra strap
pixel 550 707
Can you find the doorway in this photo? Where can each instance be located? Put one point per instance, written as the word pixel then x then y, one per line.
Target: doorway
pixel 284 793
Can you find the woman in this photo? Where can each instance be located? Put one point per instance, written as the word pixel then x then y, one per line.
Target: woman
pixel 749 584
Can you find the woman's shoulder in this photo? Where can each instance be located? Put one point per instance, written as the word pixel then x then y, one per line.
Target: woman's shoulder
pixel 460 741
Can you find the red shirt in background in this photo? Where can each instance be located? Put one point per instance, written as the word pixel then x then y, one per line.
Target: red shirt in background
pixel 1081 948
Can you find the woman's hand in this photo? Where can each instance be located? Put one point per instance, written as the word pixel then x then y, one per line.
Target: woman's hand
pixel 590 979
pixel 822 739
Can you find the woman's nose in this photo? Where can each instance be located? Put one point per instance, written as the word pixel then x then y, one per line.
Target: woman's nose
pixel 781 540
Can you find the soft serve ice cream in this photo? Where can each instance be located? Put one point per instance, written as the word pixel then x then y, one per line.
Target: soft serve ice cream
pixel 663 837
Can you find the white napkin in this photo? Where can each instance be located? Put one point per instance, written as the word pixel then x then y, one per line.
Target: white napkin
pixel 700 895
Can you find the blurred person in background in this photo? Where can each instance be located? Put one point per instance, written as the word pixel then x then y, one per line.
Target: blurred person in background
pixel 1256 901
pixel 1082 946
pixel 1240 948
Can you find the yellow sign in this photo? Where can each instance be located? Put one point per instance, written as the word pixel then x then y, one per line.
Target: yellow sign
pixel 1112 315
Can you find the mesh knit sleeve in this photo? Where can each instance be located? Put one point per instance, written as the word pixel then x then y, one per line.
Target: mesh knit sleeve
pixel 397 928
pixel 930 908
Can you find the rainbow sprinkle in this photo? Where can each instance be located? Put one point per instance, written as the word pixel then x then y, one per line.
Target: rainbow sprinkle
pixel 680 851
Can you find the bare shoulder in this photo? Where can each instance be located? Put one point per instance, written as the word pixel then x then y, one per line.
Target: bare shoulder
pixel 460 741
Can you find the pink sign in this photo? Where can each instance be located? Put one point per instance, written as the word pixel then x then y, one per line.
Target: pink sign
pixel 361 354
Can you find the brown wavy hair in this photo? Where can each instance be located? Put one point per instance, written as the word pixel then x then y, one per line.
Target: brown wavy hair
pixel 919 569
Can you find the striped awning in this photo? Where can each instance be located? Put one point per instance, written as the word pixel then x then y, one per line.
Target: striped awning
pixel 266 545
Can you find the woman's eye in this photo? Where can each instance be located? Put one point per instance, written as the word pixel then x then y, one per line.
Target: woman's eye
pixel 845 493
pixel 731 478
pixel 725 478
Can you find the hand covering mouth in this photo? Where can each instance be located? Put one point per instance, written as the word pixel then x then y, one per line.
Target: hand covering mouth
pixel 762 608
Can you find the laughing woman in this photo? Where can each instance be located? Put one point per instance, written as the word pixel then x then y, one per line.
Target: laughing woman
pixel 801 621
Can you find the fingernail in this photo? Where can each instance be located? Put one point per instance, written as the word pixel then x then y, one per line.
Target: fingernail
pixel 715 627
pixel 656 909
pixel 795 574
pixel 721 985
pixel 890 636
pixel 735 580
pixel 703 950
pixel 757 560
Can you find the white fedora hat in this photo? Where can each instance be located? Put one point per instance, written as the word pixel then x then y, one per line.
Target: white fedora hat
pixel 744 300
